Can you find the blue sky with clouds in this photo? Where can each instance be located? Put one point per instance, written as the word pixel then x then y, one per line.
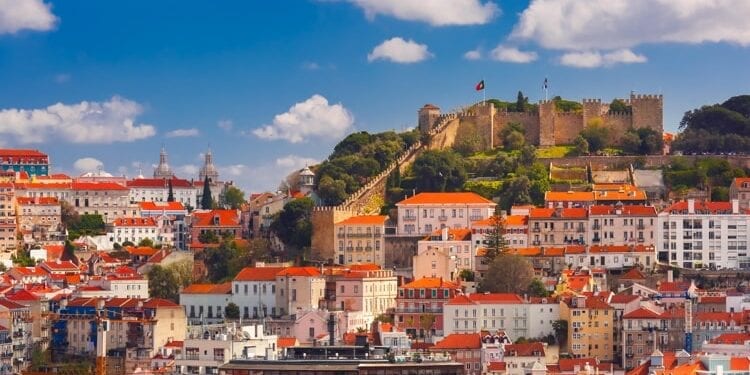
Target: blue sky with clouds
pixel 273 85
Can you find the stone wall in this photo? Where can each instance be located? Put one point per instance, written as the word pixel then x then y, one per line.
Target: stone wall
pixel 618 123
pixel 323 236
pixel 547 116
pixel 399 251
pixel 648 111
pixel 651 161
pixel 529 121
pixel 445 138
pixel 567 127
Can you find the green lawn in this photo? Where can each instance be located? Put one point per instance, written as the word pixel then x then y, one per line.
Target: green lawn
pixel 554 152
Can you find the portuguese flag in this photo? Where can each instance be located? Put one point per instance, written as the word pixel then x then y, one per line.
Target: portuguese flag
pixel 480 85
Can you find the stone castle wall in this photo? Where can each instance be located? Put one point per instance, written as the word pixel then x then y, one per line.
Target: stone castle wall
pixel 648 111
pixel 323 239
pixel 617 123
pixel 567 126
pixel 529 121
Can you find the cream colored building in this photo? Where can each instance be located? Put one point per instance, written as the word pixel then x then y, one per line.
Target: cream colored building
pixel 359 240
pixel 370 291
pixel 299 289
pixel 422 214
pixel 590 327
pixel 622 225
pixel 39 219
pixel 444 254
pixel 557 226
pixel 8 239
pixel 108 199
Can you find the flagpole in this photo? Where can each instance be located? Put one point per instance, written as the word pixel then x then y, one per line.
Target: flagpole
pixel 484 92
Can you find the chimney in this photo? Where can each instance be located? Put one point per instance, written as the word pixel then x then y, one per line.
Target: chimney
pixel 735 206
pixel 691 206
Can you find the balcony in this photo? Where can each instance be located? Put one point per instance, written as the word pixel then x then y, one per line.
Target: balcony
pixel 360 235
pixel 596 239
pixel 368 248
pixel 641 226
pixel 536 229
pixel 359 248
pixel 641 239
pixel 596 227
pixel 350 248
pixel 377 235
pixel 580 229
pixel 475 217
pixel 6 355
pixel 536 243
pixel 443 218
pixel 341 235
pixel 410 218
pixel 418 310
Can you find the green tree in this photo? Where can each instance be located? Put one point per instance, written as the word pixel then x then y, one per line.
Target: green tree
pixel 163 283
pixel 496 244
pixel 561 331
pixel 581 145
pixel 507 274
pixel 293 225
pixel 232 311
pixel 127 243
pixel 233 198
pixel 183 270
pixel 69 252
pixel 537 289
pixel 170 194
pixel 146 242
pixel 207 202
pixel 466 275
pixel 439 171
pixel 527 156
pixel 596 135
pixel 514 141
pixel 619 105
pixel 68 215
pixel 208 237
pixel 331 191
pixel 86 225
pixel 515 191
pixel 521 102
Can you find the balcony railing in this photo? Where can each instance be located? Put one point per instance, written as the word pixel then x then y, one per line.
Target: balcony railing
pixel 596 239
pixel 442 218
pixel 641 226
pixel 410 218
pixel 641 239
pixel 475 217
pixel 536 243
pixel 580 229
pixel 536 229
pixel 418 310
pixel 596 227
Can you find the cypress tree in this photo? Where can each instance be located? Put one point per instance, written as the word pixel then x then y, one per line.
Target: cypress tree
pixel 170 195
pixel 206 201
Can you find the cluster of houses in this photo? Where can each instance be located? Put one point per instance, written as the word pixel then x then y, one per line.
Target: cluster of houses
pixel 607 307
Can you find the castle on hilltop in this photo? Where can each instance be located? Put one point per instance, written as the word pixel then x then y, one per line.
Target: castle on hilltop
pixel 549 127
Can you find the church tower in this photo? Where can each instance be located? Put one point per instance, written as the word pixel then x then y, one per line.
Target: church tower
pixel 163 170
pixel 208 169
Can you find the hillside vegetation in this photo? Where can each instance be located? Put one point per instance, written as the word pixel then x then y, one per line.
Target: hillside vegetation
pixel 718 128
pixel 356 159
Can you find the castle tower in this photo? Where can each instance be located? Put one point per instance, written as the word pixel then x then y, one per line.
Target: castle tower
pixel 208 169
pixel 163 170
pixel 306 180
pixel 427 116
pixel 648 112
pixel 547 112
pixel 592 108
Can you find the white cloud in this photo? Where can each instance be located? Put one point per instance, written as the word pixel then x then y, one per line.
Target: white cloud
pixel 615 24
pixel 312 118
pixel 192 132
pixel 434 12
pixel 85 122
pixel 310 65
pixel 88 165
pixel 62 78
pixel 400 51
pixel 293 162
pixel 589 59
pixel 225 125
pixel 17 15
pixel 474 54
pixel 512 55
pixel 187 171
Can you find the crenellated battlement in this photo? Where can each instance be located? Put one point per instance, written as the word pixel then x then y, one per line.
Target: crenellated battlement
pixel 647 96
pixel 591 101
pixel 619 114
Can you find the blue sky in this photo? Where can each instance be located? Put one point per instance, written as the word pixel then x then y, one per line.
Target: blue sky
pixel 272 85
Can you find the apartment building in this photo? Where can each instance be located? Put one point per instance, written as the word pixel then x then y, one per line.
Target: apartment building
pixel 420 304
pixel 740 190
pixel 206 303
pixel 444 254
pixel 516 231
pixel 590 327
pixel 254 292
pixel 8 226
pixel 557 226
pixel 157 190
pixel 713 235
pixel 372 291
pixel 423 213
pixel 359 240
pixel 300 289
pixel 622 225
pixel 648 328
pixel 39 219
pixel 108 199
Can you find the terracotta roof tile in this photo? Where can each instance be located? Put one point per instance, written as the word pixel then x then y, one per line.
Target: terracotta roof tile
pixel 460 341
pixel 364 220
pixel 569 196
pixel 633 274
pixel 226 218
pixel 430 282
pixel 299 271
pixel 479 298
pixel 258 274
pixel 135 222
pixel 286 342
pixel 446 198
pixel 161 206
pixel 535 349
pixel 629 210
pixel 224 288
pixel 97 186
pixel 564 213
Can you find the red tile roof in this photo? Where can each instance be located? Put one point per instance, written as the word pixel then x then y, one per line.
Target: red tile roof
pixel 364 220
pixel 623 298
pixel 64 265
pixel 141 251
pixel 510 220
pixel 430 282
pixel 286 342
pixel 620 249
pixel 364 267
pixel 496 366
pixel 98 186
pixel 479 298
pixel 711 207
pixel 224 288
pixel 54 252
pixel 719 316
pixel 300 271
pixel 153 303
pixel 735 338
pixel 564 213
pixel 642 313
pixel 629 210
pixel 21 295
pixel 135 222
pixel 161 206
pixel 569 196
pixel 633 274
pixel 226 218
pixel 712 299
pixel 46 201
pixel 457 341
pixel 525 350
pixel 258 274
pixel 461 234
pixel 21 153
pixel 446 198
pixel 675 286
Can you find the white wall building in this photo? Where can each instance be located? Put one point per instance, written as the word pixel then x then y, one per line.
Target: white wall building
pixel 704 235
pixel 424 213
pixel 157 190
pixel 206 303
pixel 622 225
pixel 254 291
